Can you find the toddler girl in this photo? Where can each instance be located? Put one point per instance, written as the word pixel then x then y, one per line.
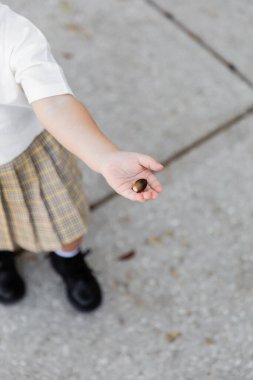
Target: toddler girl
pixel 43 129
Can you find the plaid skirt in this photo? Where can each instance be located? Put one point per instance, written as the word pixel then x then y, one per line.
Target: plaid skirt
pixel 42 201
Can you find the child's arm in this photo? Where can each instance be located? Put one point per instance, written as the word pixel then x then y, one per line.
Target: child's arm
pixel 71 124
pixel 36 71
pixel 67 119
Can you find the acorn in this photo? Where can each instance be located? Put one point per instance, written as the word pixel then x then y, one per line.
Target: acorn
pixel 140 185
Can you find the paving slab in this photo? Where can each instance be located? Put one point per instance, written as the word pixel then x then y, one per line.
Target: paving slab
pixel 180 308
pixel 148 85
pixel 226 26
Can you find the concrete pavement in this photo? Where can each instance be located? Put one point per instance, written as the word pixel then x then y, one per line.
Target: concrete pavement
pixel 181 307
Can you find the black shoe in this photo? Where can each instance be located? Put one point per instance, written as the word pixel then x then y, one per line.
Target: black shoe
pixel 82 288
pixel 12 286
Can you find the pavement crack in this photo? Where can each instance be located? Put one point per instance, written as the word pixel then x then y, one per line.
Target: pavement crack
pixel 207 137
pixel 187 149
pixel 229 65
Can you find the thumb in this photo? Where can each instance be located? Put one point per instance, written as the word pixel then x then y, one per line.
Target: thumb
pixel 149 162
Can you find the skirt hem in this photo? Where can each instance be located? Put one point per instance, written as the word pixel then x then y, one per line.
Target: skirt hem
pixel 42 201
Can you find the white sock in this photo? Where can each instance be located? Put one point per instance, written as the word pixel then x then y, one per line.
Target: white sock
pixel 62 253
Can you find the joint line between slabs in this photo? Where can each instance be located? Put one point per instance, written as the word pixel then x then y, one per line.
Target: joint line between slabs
pixel 182 152
pixel 229 65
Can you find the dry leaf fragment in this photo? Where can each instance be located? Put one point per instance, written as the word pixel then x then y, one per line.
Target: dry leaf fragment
pixel 73 27
pixel 168 233
pixel 67 55
pixel 127 255
pixel 172 336
pixel 174 272
pixel 79 29
pixel 209 340
pixel 65 6
pixel 154 240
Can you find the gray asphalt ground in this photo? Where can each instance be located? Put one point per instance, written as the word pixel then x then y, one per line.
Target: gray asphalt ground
pixel 172 79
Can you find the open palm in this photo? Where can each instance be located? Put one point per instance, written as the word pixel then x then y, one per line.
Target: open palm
pixel 122 169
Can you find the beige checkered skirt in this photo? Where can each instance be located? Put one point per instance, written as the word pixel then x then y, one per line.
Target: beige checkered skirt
pixel 42 201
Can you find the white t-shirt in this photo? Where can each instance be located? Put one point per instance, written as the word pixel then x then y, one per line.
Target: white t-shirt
pixel 28 72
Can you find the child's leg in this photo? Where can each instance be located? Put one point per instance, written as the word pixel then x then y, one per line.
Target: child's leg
pixel 75 244
pixel 70 250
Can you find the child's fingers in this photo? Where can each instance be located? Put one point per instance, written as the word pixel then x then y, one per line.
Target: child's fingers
pixel 149 162
pixel 154 183
pixel 140 197
pixel 143 197
pixel 132 195
pixel 148 194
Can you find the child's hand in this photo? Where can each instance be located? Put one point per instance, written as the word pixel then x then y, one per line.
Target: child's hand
pixel 122 169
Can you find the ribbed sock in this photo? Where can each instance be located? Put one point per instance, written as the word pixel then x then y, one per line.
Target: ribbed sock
pixel 67 254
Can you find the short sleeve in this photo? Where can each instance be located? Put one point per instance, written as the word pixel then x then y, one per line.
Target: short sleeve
pixel 32 62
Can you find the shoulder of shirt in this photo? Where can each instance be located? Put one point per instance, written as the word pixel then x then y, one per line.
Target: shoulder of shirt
pixel 7 13
pixel 16 21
